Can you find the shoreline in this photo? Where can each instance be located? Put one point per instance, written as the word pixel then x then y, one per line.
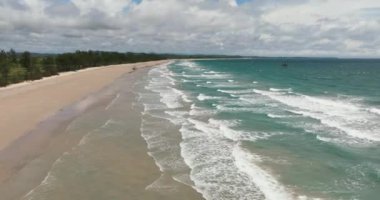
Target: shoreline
pixel 26 104
pixel 27 159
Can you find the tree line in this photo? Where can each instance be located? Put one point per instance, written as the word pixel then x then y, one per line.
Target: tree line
pixel 18 67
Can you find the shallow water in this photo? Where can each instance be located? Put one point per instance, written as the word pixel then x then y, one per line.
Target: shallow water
pixel 251 129
pixel 108 159
pixel 222 130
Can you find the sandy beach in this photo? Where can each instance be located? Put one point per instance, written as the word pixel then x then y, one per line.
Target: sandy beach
pixel 24 105
pixel 77 136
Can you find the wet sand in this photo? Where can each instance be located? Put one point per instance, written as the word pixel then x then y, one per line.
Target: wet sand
pixel 36 165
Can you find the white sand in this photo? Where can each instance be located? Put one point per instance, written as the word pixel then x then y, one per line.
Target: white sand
pixel 24 105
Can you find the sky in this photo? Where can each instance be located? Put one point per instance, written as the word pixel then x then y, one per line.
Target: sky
pixel 320 28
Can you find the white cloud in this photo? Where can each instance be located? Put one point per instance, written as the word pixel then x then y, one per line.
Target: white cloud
pixel 232 3
pixel 108 7
pixel 259 27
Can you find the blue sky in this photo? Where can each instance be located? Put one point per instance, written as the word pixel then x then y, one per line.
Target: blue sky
pixel 245 27
pixel 137 1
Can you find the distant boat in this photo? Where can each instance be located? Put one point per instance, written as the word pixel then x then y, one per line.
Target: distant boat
pixel 284 64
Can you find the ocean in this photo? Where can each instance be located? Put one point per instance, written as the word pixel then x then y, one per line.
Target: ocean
pixel 238 129
pixel 253 129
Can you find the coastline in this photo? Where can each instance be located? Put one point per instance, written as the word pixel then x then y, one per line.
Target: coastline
pixel 27 159
pixel 24 105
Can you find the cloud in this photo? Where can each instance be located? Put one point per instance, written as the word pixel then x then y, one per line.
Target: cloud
pixel 107 7
pixel 346 28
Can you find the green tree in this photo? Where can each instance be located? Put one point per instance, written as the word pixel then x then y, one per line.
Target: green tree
pixel 49 66
pixel 33 66
pixel 3 80
pixel 26 61
pixel 12 56
pixel 16 73
pixel 14 68
pixel 36 69
pixel 4 68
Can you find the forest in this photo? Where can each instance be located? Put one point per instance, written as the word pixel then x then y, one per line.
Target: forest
pixel 18 67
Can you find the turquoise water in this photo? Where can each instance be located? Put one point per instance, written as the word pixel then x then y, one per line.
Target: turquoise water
pixel 251 129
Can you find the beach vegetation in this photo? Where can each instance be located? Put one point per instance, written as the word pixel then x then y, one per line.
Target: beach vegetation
pixel 17 67
pixel 16 73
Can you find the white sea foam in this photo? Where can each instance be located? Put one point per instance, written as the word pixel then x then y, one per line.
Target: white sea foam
pixel 222 129
pixel 350 118
pixel 222 108
pixel 277 116
pixel 330 140
pixel 162 83
pixel 150 107
pixel 177 117
pixel 246 91
pixel 228 129
pixel 154 142
pixel 189 76
pixel 184 97
pixel 209 154
pixel 257 100
pixel 191 65
pixel 212 168
pixel 374 110
pixel 198 111
pixel 161 144
pixel 204 76
pixel 170 98
pixel 207 144
pixel 215 76
pixel 246 102
pixel 267 183
pixel 220 167
pixel 280 90
pixel 223 85
pixel 203 97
